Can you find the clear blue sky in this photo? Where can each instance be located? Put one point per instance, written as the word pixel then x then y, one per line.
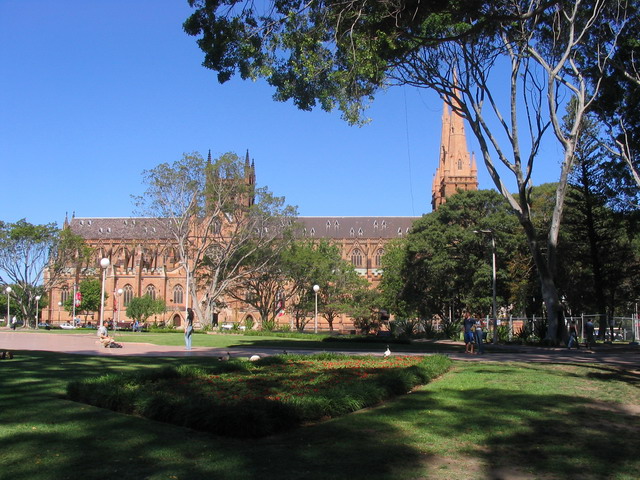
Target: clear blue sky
pixel 93 92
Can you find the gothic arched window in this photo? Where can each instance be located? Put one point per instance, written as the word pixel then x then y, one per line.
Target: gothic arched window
pixel 64 294
pixel 178 295
pixel 151 291
pixel 356 258
pixel 127 295
pixel 378 258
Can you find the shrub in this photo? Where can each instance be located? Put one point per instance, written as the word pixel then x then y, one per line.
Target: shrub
pixel 244 399
pixel 249 323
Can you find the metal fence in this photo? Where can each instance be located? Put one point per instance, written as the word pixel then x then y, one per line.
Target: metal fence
pixel 624 329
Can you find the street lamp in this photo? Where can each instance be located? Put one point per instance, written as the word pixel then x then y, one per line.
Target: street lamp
pixel 493 282
pixel 316 289
pixel 37 301
pixel 8 291
pixel 118 306
pixel 104 263
pixel 59 308
pixel 185 264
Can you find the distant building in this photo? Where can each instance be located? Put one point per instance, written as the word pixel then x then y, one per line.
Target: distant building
pixel 144 261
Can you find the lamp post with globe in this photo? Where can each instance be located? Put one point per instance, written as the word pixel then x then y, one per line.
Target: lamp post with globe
pixel 316 289
pixel 104 263
pixel 37 305
pixel 8 292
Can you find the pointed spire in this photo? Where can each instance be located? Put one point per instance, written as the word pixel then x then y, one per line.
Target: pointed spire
pixel 66 220
pixel 456 169
pixel 209 157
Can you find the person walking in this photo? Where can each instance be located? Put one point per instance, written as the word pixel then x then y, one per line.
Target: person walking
pixel 573 335
pixel 188 331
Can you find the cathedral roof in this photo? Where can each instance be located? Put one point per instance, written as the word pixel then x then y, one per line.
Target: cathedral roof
pixel 121 228
pixel 146 228
pixel 356 227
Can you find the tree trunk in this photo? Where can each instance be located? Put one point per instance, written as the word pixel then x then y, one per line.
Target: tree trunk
pixel 555 315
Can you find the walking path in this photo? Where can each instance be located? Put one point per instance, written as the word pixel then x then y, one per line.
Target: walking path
pixel 625 356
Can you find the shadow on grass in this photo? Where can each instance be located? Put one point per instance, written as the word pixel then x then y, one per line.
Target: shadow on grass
pixel 47 436
pixel 549 434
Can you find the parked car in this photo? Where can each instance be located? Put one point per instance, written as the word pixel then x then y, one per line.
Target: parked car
pixel 44 325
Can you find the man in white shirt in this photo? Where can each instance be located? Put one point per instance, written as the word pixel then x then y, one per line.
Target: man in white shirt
pixel 103 335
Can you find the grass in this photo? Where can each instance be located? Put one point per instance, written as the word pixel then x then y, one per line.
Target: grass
pixel 479 421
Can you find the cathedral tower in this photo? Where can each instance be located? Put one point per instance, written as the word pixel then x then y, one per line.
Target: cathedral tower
pixel 457 169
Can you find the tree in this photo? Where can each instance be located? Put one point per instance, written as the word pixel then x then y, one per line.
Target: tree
pixel 619 94
pixel 336 294
pixel 91 292
pixel 341 54
pixel 597 233
pixel 307 263
pixel 310 262
pixel 447 266
pixel 392 283
pixel 141 308
pixel 218 219
pixel 364 308
pixel 32 259
pixel 265 290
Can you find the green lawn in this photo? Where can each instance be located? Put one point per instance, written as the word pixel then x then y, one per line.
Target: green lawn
pixel 481 420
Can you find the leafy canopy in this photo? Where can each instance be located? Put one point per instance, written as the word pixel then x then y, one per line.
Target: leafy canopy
pixel 141 308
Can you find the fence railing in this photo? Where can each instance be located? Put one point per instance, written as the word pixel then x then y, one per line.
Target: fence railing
pixel 626 329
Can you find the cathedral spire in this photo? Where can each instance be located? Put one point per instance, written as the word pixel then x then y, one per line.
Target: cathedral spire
pixel 456 169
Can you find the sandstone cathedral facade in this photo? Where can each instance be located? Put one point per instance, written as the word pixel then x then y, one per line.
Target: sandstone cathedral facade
pixel 142 259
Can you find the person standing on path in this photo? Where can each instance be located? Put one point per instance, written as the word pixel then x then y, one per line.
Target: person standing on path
pixel 573 335
pixel 189 330
pixel 479 336
pixel 467 324
pixel 589 328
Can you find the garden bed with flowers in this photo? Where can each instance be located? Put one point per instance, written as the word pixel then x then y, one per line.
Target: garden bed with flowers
pixel 254 399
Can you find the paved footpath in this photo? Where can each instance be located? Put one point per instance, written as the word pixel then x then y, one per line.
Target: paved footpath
pixel 624 356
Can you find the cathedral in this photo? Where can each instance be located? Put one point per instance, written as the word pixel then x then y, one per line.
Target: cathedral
pixel 142 261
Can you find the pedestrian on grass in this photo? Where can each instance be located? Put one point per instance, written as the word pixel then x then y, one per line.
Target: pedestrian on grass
pixel 188 331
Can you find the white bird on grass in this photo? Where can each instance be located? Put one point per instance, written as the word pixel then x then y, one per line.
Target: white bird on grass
pixel 387 352
pixel 254 358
